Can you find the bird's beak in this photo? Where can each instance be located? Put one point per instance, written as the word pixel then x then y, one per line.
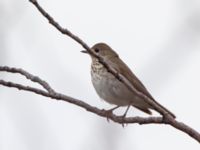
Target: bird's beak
pixel 84 51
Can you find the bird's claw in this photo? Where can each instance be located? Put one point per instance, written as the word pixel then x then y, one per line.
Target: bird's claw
pixel 123 117
pixel 108 113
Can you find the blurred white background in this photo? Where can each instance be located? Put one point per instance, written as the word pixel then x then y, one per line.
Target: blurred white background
pixel 159 40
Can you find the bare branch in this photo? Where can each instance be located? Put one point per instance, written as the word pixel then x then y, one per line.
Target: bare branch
pixel 103 113
pixel 29 76
pixel 57 26
pixel 118 119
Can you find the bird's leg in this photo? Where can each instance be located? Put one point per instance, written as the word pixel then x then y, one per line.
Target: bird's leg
pixel 110 111
pixel 124 115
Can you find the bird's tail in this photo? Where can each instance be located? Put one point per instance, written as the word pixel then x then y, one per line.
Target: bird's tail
pixel 165 109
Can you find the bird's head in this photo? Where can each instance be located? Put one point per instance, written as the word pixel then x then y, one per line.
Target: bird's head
pixel 102 50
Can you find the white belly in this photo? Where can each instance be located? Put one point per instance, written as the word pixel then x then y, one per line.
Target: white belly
pixel 113 91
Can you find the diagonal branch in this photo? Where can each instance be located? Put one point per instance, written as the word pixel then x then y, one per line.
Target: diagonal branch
pixel 57 26
pixel 119 76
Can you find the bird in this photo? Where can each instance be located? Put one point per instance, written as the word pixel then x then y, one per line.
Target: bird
pixel 111 89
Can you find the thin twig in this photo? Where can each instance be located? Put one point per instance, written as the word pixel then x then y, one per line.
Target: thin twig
pixel 29 76
pixel 57 26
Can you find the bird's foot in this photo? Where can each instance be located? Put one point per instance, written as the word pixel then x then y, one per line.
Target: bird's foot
pixel 122 118
pixel 109 112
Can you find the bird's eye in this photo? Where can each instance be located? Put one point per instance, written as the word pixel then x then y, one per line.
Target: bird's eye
pixel 96 50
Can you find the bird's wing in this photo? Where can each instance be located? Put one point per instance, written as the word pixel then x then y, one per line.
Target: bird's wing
pixel 124 70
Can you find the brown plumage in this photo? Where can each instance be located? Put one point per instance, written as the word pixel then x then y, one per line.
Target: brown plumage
pixel 111 89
